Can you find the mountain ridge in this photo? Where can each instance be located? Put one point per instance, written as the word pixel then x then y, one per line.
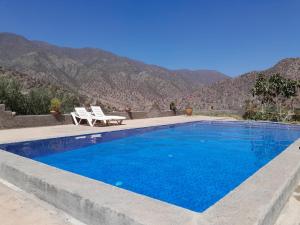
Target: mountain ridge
pixel 119 81
pixel 231 94
pixel 98 74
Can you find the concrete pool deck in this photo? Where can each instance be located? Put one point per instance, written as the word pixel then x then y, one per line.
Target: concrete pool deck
pixel 257 201
pixel 23 134
pixel 20 208
pixel 290 214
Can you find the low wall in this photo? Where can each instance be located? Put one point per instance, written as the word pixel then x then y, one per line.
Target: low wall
pixel 219 112
pixel 8 119
pixel 33 120
pixel 143 114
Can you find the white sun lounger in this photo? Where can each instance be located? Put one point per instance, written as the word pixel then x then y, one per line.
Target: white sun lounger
pixel 98 113
pixel 81 114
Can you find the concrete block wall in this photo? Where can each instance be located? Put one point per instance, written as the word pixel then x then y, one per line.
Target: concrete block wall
pixel 9 120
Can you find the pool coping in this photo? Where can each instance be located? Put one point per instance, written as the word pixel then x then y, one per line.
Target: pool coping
pixel 258 200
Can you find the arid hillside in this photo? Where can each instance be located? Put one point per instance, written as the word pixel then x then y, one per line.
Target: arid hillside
pixel 232 93
pixel 100 75
pixel 117 82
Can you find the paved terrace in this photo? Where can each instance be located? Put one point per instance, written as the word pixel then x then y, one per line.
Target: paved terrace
pixel 290 214
pixel 20 208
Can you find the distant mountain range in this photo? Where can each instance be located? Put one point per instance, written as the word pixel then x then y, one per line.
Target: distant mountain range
pixel 118 81
pixel 100 75
pixel 232 93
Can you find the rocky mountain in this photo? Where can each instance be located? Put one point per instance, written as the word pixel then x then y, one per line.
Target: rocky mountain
pixel 232 93
pixel 201 77
pixel 27 81
pixel 100 75
pixel 118 81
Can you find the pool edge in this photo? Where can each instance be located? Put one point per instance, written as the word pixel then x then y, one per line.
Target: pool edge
pixel 88 200
pixel 260 198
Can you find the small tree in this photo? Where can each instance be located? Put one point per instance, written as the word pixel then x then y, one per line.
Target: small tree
pixel 261 90
pixel 274 91
pixel 290 88
pixel 277 83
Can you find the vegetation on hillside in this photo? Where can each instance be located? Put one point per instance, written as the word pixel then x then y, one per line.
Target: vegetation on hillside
pixel 36 100
pixel 272 98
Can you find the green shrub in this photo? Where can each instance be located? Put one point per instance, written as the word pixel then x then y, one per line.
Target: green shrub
pixel 68 102
pixel 274 94
pixel 37 100
pixel 270 114
pixel 12 96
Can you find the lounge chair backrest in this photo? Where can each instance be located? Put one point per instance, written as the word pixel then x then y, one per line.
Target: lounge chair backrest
pixel 81 112
pixel 97 111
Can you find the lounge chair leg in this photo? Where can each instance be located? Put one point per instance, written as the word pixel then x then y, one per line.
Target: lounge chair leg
pixel 74 118
pixel 90 122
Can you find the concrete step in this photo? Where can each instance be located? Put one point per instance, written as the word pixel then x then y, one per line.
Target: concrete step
pixel 2 107
pixel 7 113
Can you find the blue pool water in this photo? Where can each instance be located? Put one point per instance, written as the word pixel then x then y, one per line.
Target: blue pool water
pixel 190 165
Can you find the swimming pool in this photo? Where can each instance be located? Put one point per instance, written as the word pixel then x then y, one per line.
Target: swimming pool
pixel 190 165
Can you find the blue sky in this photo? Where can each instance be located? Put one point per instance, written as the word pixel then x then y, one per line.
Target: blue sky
pixel 232 36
